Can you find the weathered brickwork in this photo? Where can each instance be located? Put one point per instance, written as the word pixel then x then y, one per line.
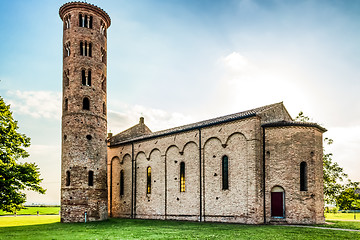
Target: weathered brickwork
pixel 204 199
pixel 84 154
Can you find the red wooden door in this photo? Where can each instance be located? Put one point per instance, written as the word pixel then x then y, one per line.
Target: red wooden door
pixel 277 204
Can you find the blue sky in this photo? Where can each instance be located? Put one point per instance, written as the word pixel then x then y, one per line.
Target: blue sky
pixel 176 62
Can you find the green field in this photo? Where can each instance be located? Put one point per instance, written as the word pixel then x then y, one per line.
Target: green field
pixel 46 210
pixel 342 216
pixel 48 227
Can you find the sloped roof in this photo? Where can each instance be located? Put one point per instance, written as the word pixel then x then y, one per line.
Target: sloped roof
pixel 260 111
pixel 294 123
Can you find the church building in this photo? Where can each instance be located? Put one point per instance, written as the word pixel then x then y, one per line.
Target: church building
pixel 256 166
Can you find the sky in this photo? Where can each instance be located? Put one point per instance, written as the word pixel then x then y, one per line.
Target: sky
pixel 181 61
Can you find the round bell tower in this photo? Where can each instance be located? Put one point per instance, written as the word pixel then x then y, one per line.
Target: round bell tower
pixel 84 151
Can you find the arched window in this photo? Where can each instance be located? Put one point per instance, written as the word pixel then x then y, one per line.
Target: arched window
pixel 122 183
pixel 104 108
pixel 90 22
pixel 90 50
pixel 86 80
pixel 67 178
pixel 225 172
pixel 66 78
pixel 88 83
pixel 66 104
pixel 81 20
pixel 86 21
pixel 83 77
pixel 103 84
pixel 303 176
pixel 91 178
pixel 67 22
pixel 67 49
pixel 103 55
pixel 182 177
pixel 81 49
pixel 86 104
pixel 148 180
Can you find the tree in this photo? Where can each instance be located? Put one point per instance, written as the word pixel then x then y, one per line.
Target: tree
pixel 336 182
pixel 14 175
pixel 348 199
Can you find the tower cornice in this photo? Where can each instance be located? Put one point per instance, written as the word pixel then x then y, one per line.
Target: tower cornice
pixel 71 5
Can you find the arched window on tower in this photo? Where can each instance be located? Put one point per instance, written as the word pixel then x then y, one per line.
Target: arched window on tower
pixel 103 83
pixel 103 55
pixel 90 50
pixel 88 83
pixel 104 108
pixel 303 176
pixel 66 104
pixel 81 20
pixel 66 78
pixel 90 22
pixel 122 183
pixel 67 182
pixel 67 22
pixel 103 28
pixel 67 49
pixel 148 180
pixel 91 178
pixel 86 104
pixel 86 79
pixel 225 172
pixel 182 177
pixel 81 49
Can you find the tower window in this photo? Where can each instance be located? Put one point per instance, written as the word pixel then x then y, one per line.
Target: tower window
pixel 91 178
pixel 67 22
pixel 86 104
pixel 148 181
pixel 104 108
pixel 225 172
pixel 85 21
pixel 122 183
pixel 102 28
pixel 86 79
pixel 303 176
pixel 85 49
pixel 103 55
pixel 103 84
pixel 67 178
pixel 66 78
pixel 66 104
pixel 67 49
pixel 182 177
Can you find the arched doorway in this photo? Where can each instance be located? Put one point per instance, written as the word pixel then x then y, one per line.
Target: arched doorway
pixel 277 202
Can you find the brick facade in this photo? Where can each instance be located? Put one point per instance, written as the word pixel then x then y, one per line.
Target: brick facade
pixel 251 140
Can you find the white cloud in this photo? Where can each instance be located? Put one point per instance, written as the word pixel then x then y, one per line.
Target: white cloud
pixel 155 119
pixel 37 104
pixel 237 63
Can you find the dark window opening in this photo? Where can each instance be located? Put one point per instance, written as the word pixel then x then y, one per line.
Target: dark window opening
pixel 103 85
pixel 89 137
pixel 90 50
pixel 66 78
pixel 89 78
pixel 303 176
pixel 86 104
pixel 122 183
pixel 81 20
pixel 81 49
pixel 67 178
pixel 225 173
pixel 91 178
pixel 86 21
pixel 90 22
pixel 148 180
pixel 67 49
pixel 66 104
pixel 104 108
pixel 182 177
pixel 83 77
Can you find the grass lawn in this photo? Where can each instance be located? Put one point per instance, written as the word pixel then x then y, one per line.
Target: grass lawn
pixel 342 216
pixel 48 227
pixel 33 211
